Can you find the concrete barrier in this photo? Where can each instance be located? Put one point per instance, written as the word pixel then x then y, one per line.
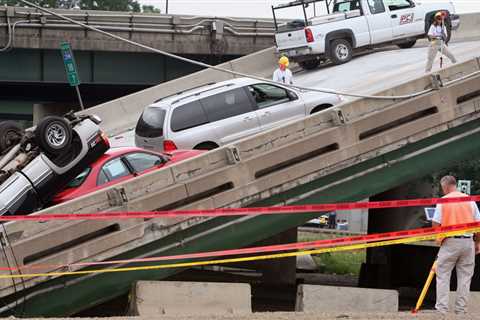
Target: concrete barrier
pixel 469 28
pixel 313 298
pixel 154 298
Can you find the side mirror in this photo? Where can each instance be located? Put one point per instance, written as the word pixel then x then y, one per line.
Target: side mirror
pixel 292 95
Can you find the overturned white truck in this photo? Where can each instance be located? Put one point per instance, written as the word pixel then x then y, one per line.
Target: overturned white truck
pixel 36 164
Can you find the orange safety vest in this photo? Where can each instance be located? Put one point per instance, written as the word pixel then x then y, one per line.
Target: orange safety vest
pixel 456 213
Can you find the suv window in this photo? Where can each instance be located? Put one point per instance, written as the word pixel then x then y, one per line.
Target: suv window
pixel 347 6
pixel 398 4
pixel 227 104
pixel 266 95
pixel 114 169
pixel 376 6
pixel 189 115
pixel 150 124
pixel 142 161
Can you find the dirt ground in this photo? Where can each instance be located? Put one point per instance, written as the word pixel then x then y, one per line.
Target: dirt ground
pixel 426 315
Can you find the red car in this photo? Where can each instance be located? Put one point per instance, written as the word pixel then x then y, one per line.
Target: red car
pixel 117 165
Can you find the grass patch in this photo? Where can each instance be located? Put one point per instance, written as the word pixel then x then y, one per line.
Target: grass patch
pixel 348 262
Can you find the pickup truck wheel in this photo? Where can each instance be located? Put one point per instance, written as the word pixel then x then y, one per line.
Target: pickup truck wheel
pixel 54 135
pixel 407 45
pixel 309 64
pixel 341 51
pixel 10 135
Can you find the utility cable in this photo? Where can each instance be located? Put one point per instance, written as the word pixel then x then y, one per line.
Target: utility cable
pixel 220 69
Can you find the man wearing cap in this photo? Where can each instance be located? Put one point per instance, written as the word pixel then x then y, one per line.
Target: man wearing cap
pixel 458 251
pixel 437 35
pixel 283 74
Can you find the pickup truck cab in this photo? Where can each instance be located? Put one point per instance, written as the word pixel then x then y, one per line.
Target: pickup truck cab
pixel 354 24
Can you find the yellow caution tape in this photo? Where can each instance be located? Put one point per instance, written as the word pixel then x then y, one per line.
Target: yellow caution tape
pixel 254 258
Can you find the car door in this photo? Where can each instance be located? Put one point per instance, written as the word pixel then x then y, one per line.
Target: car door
pixel 275 105
pixel 379 23
pixel 403 19
pixel 231 114
pixel 141 162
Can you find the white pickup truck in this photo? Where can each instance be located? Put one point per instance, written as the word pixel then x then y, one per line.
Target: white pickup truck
pixel 354 24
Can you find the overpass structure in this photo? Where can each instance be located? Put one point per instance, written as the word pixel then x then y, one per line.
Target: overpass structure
pixel 33 71
pixel 350 152
pixel 346 153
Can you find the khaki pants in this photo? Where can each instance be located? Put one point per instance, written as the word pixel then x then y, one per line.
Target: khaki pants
pixel 459 253
pixel 433 49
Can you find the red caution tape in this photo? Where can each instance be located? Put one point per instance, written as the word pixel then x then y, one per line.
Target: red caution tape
pixel 272 248
pixel 241 211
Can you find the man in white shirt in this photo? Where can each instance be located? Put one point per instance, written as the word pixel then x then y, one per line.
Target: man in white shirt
pixel 283 74
pixel 437 34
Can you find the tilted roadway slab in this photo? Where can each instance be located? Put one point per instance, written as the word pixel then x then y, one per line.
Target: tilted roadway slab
pixel 319 159
pixel 381 145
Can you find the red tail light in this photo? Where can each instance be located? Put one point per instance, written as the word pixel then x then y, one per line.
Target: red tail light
pixel 309 35
pixel 169 145
pixel 105 139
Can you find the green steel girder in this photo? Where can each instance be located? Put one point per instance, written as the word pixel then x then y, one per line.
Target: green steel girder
pixel 41 65
pixel 72 294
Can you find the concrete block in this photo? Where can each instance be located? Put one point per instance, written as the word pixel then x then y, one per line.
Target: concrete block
pixel 473 304
pixel 154 298
pixel 312 298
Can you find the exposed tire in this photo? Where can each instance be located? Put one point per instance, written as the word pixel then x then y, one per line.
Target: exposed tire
pixel 54 135
pixel 341 51
pixel 407 45
pixel 309 64
pixel 10 135
pixel 206 146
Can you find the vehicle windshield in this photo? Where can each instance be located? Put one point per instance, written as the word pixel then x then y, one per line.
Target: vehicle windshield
pixel 78 180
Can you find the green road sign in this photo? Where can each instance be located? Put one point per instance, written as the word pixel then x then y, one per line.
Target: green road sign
pixel 69 62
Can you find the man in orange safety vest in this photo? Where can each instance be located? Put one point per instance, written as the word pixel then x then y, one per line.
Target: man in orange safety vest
pixel 457 251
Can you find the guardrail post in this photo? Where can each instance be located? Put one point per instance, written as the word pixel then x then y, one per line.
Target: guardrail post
pixel 436 82
pixel 338 117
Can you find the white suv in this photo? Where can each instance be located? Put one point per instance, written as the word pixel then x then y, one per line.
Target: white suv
pixel 217 114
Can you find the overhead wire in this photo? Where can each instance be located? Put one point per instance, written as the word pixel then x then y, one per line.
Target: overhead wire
pixel 220 69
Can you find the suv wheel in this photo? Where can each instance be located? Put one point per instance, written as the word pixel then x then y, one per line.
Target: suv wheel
pixel 54 135
pixel 309 64
pixel 341 51
pixel 10 135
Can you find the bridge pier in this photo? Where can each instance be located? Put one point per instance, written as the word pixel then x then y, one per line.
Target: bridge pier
pixel 41 110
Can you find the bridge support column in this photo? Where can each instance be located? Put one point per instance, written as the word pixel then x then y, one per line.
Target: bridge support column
pixel 387 267
pixel 281 271
pixel 50 109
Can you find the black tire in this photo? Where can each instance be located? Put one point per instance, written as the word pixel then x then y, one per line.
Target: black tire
pixel 309 64
pixel 341 51
pixel 54 135
pixel 206 146
pixel 407 45
pixel 10 135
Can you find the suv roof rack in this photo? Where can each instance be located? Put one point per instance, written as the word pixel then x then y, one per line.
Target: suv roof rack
pixel 198 93
pixel 184 91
